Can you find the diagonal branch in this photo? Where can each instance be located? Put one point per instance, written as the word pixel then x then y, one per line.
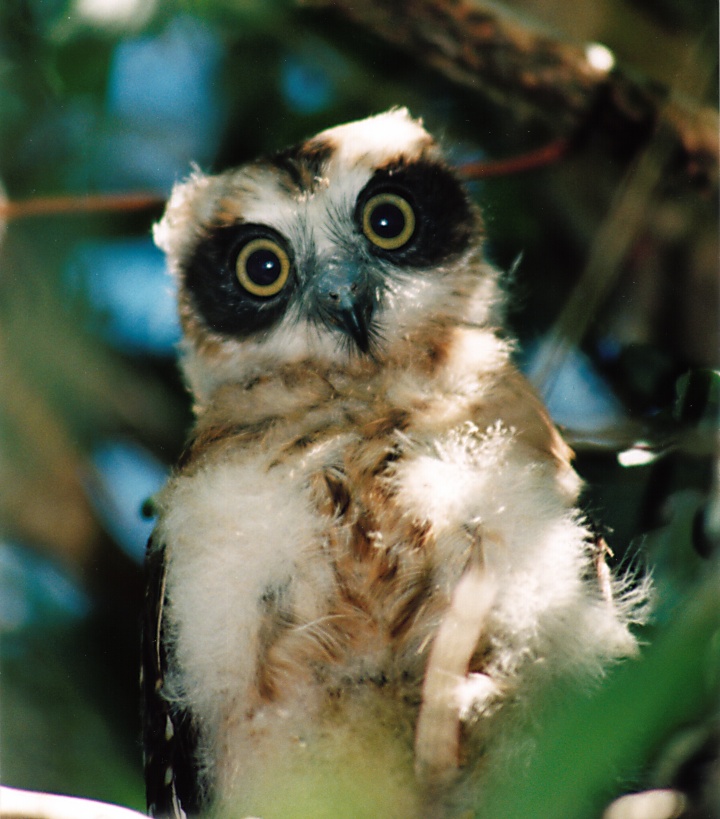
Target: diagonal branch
pixel 573 89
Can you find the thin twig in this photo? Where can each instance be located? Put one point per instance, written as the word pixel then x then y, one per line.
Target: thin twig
pixel 604 265
pixel 52 205
pixel 539 158
pixel 58 205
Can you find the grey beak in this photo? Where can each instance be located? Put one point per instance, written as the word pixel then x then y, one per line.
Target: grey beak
pixel 346 301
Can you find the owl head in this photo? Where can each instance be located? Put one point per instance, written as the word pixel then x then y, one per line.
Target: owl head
pixel 351 250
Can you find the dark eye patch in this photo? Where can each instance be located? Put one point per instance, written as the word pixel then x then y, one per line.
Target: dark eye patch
pixel 445 222
pixel 211 278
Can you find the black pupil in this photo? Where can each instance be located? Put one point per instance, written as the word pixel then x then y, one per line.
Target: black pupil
pixel 263 267
pixel 387 220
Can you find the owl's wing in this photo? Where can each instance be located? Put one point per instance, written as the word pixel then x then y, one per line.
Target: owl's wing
pixel 514 401
pixel 172 779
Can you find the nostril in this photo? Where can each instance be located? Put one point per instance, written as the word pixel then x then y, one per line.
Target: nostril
pixel 334 296
pixel 354 287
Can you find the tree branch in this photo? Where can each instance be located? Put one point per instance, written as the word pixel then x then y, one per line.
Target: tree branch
pixel 574 90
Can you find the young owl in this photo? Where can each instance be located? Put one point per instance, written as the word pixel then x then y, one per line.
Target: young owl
pixel 370 563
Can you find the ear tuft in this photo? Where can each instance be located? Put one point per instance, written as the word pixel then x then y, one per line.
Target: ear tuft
pixel 178 229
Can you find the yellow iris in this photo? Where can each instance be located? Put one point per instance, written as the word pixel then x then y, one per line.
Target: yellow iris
pixel 388 221
pixel 263 267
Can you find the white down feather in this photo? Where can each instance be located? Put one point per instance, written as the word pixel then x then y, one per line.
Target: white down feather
pixel 232 531
pixel 536 551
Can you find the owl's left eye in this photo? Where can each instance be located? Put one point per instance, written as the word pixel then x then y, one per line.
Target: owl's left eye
pixel 262 267
pixel 388 221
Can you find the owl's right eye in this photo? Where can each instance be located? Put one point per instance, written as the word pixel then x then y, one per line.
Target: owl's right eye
pixel 262 267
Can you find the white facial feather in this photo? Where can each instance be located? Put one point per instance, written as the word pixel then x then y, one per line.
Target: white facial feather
pixel 371 141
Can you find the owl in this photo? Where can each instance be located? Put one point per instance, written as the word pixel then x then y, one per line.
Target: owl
pixel 370 563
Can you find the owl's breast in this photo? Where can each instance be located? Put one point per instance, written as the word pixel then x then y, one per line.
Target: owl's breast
pixel 317 538
pixel 354 504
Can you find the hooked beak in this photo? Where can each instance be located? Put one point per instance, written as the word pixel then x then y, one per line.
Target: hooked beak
pixel 346 301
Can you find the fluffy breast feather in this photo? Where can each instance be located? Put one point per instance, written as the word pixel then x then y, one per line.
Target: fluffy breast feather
pixel 322 523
